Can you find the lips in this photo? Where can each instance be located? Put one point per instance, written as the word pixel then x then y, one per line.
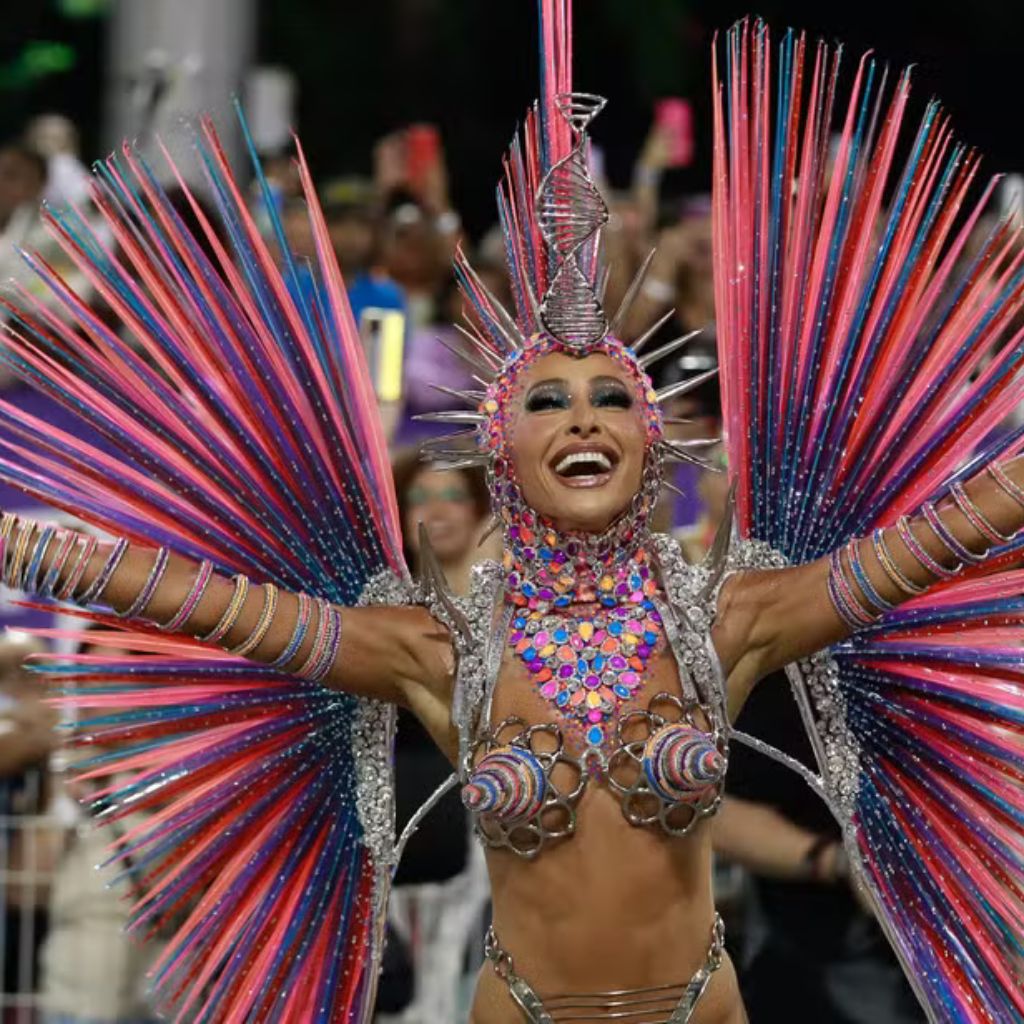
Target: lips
pixel 584 465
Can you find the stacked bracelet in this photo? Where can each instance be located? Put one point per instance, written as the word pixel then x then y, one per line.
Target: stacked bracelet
pixel 960 552
pixel 326 643
pixel 1002 478
pixel 916 549
pixel 192 598
pixel 298 634
pixel 255 638
pixel 145 595
pixel 976 517
pixel 867 588
pixel 899 578
pixel 231 613
pixel 95 589
pixel 846 604
pixel 19 549
pixel 33 564
pixel 84 556
pixel 60 559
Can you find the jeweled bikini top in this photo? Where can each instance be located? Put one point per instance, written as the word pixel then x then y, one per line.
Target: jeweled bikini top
pixel 665 761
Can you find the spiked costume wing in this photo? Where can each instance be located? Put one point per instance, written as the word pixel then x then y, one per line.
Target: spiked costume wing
pixel 867 359
pixel 237 423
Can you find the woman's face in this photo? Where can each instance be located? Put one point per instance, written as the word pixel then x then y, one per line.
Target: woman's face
pixel 577 435
pixel 443 502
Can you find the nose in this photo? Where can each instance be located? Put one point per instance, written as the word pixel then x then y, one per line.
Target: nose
pixel 584 420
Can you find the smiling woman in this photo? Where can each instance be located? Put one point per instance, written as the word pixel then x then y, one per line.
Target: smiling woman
pixel 578 439
pixel 584 686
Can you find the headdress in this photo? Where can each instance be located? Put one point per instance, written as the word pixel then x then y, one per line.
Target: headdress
pixel 551 213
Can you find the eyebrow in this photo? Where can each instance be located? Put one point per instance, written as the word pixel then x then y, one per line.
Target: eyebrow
pixel 548 382
pixel 606 378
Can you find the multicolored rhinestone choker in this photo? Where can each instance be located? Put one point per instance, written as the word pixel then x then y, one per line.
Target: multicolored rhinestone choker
pixel 585 628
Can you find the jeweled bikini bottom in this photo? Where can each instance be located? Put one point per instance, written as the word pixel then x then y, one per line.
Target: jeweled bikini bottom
pixel 659 1004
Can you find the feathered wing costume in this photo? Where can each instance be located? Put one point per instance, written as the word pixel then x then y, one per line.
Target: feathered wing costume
pixel 238 425
pixel 868 355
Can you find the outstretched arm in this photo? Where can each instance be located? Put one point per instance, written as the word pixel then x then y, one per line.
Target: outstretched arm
pixel 767 620
pixel 383 653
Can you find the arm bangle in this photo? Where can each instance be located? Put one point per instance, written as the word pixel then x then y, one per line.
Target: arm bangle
pixel 33 566
pixel 899 578
pixel 194 596
pixel 959 551
pixel 913 545
pixel 60 559
pixel 231 613
pixel 1001 477
pixel 868 589
pixel 84 556
pixel 298 634
pixel 95 590
pixel 255 638
pixel 149 588
pixel 976 517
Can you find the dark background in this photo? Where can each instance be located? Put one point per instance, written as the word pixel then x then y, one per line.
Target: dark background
pixel 367 66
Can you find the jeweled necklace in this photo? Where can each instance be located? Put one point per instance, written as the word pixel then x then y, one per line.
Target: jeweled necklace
pixel 585 624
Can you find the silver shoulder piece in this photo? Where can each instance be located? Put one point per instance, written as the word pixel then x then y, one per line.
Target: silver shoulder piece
pixel 436 595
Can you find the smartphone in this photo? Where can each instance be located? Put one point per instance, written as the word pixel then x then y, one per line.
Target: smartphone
pixel 674 119
pixel 422 153
pixel 383 334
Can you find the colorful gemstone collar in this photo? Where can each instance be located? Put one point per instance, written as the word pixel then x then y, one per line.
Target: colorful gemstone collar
pixel 585 628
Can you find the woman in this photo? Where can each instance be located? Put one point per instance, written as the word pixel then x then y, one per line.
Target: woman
pixel 440 887
pixel 584 688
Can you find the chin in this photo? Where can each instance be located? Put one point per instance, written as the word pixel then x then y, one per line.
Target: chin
pixel 586 517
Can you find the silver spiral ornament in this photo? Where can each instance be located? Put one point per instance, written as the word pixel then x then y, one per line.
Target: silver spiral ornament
pixel 570 212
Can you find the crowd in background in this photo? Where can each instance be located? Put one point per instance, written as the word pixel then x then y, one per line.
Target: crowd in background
pixel 793 917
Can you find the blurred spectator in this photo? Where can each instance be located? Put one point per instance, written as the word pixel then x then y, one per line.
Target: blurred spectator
pixel 702 410
pixel 55 138
pixel 28 845
pixel 804 918
pixel 428 361
pixel 93 971
pixel 355 229
pixel 23 174
pixel 441 884
pixel 712 492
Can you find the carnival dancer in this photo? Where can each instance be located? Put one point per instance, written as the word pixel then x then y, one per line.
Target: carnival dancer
pixel 583 690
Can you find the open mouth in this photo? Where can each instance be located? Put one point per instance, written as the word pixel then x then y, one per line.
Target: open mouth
pixel 585 467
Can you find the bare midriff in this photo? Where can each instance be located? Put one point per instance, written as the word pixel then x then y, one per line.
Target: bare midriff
pixel 614 906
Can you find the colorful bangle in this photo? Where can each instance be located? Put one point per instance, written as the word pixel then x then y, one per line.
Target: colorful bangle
pixel 298 634
pixel 976 517
pixel 868 589
pixel 1001 477
pixel 333 644
pixel 21 542
pixel 95 589
pixel 67 542
pixel 899 578
pixel 914 546
pixel 325 646
pixel 231 613
pixel 849 609
pixel 192 598
pixel 7 524
pixel 958 550
pixel 66 593
pixel 255 638
pixel 145 595
pixel 34 564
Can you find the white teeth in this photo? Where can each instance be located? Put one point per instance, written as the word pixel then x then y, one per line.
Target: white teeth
pixel 599 459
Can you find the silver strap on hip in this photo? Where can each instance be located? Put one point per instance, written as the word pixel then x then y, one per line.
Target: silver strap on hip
pixel 678 1001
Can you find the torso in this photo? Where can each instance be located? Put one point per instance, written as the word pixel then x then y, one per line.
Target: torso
pixel 614 906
